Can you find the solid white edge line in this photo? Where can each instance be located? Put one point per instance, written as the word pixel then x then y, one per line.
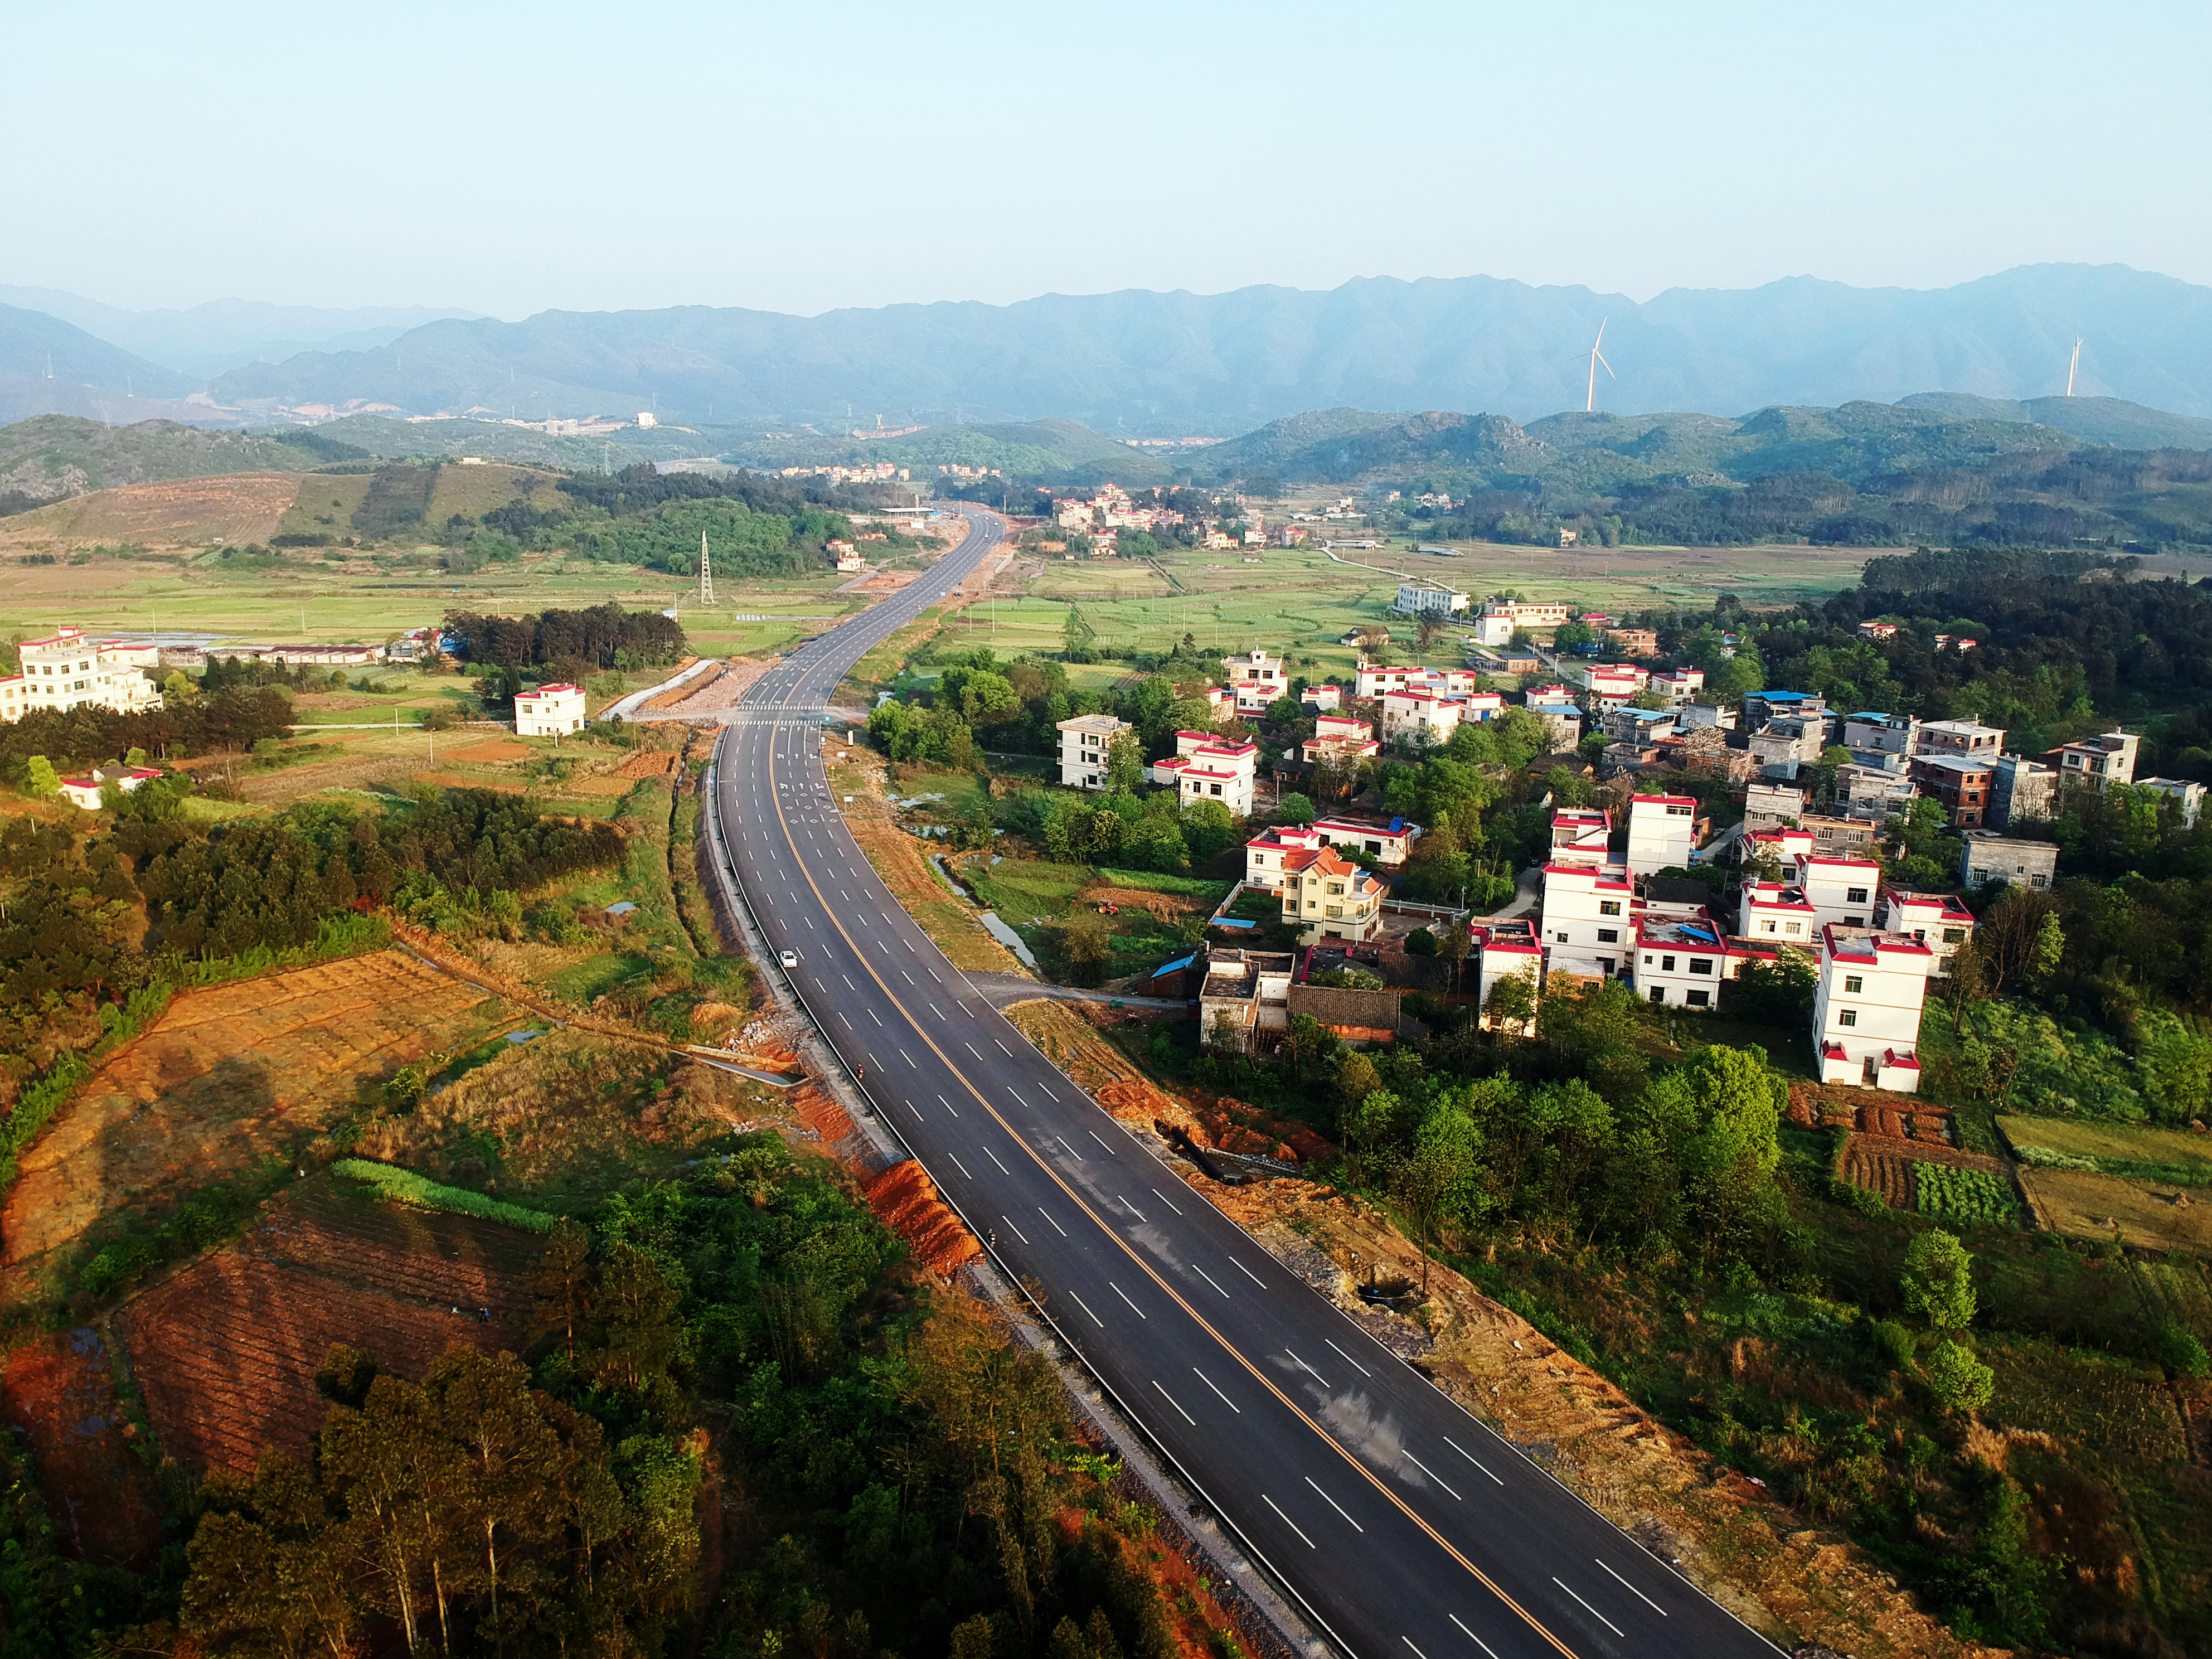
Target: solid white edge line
pixel 1632 1590
pixel 1286 1521
pixel 1180 1412
pixel 1470 1457
pixel 1339 1508
pixel 1472 1637
pixel 1592 1611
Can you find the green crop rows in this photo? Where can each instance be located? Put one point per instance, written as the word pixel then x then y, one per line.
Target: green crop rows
pixel 1965 1195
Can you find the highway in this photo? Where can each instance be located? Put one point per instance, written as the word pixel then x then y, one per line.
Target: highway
pixel 1403 1525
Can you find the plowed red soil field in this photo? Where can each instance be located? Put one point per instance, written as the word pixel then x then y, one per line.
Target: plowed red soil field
pixel 225 1077
pixel 60 1393
pixel 226 1351
pixel 1881 1169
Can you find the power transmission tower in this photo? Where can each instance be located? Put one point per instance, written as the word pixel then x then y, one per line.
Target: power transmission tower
pixel 706 573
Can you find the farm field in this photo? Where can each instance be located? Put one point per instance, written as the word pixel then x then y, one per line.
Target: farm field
pixel 2125 1143
pixel 2087 1206
pixel 1300 601
pixel 238 506
pixel 226 1351
pixel 227 1076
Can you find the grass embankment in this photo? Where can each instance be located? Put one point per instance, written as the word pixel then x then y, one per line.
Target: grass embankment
pixel 405 1186
pixel 902 861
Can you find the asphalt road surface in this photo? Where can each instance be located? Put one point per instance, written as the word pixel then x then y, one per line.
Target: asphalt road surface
pixel 1408 1529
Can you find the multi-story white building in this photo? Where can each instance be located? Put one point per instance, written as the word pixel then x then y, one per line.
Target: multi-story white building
pixel 1320 699
pixel 1680 686
pixel 1420 716
pixel 1662 830
pixel 549 711
pixel 1555 707
pixel 1882 734
pixel 1257 679
pixel 1937 921
pixel 1682 957
pixel 1814 889
pixel 70 670
pixel 1371 679
pixel 1083 743
pixel 1207 767
pixel 1770 805
pixel 1389 844
pixel 1503 950
pixel 1865 1007
pixel 1588 918
pixel 1415 597
pixel 1581 836
pixel 2101 762
pixel 1874 793
pixel 2188 798
pixel 1969 739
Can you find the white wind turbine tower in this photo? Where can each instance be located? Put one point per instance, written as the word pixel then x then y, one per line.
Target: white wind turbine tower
pixel 2073 368
pixel 706 573
pixel 1589 399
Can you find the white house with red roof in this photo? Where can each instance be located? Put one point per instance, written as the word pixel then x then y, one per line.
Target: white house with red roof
pixel 1866 1006
pixel 1420 716
pixel 1389 844
pixel 549 711
pixel 1339 738
pixel 1813 892
pixel 85 791
pixel 1588 919
pixel 1257 680
pixel 1661 831
pixel 1678 685
pixel 1319 699
pixel 1208 767
pixel 1505 950
pixel 1372 680
pixel 1682 954
pixel 70 669
pixel 1939 920
pixel 1581 836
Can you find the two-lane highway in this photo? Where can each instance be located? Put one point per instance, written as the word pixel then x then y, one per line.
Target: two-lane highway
pixel 1400 1522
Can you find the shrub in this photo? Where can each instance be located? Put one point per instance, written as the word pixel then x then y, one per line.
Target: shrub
pixel 1958 1380
pixel 2178 1349
pixel 1894 1342
pixel 1420 943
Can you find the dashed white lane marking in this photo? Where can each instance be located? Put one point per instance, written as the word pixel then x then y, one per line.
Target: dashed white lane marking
pixel 1093 1133
pixel 916 1110
pixel 1018 1233
pixel 1417 1654
pixel 1286 1520
pixel 1470 1457
pixel 1339 1508
pixel 847 978
pixel 947 1104
pixel 1124 1295
pixel 1207 1277
pixel 1307 1368
pixel 1056 1227
pixel 1047 1087
pixel 1592 1612
pixel 1434 1476
pixel 1349 1360
pixel 970 1047
pixel 908 1059
pixel 1171 1401
pixel 1085 1306
pixel 873 1015
pixel 1248 1273
pixel 1002 1049
pixel 1472 1637
pixel 1162 1197
pixel 1632 1590
pixel 959 1165
pixel 994 1156
pixel 1225 1399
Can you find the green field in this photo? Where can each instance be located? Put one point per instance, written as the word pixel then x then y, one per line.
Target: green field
pixel 1299 601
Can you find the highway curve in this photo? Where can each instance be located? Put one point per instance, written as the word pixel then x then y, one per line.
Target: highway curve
pixel 1407 1528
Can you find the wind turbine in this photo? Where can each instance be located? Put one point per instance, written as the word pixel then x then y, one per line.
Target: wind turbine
pixel 1590 400
pixel 2073 368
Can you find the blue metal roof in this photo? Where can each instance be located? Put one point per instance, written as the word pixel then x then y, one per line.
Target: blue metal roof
pixel 1170 967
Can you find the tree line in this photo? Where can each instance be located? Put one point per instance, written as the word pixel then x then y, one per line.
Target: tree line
pixel 598 637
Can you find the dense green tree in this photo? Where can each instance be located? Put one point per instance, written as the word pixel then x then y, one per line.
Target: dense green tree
pixel 1938 1282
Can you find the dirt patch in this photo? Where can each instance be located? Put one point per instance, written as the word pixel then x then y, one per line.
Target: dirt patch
pixel 716 691
pixel 228 1076
pixel 2087 1206
pixel 1166 906
pixel 60 1394
pixel 906 1200
pixel 241 507
pixel 1755 1556
pixel 818 1108
pixel 226 1351
pixel 885 581
pixel 493 751
pixel 455 780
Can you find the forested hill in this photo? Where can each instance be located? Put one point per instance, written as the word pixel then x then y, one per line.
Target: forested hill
pixel 1861 474
pixel 1172 363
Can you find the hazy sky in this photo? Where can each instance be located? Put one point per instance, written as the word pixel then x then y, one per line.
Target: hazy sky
pixel 513 158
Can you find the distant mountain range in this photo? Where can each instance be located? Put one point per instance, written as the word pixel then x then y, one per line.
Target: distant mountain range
pixel 1172 364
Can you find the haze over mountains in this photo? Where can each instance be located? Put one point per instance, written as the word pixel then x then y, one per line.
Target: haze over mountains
pixel 1138 362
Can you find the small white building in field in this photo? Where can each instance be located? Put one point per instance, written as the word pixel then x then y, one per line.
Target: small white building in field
pixel 1866 1008
pixel 1084 742
pixel 549 711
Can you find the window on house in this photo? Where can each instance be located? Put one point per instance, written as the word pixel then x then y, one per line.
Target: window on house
pixel 1658 994
pixel 1699 999
pixel 1701 964
pixel 1854 921
pixel 1954 936
pixel 1766 926
pixel 1849 1017
pixel 1647 959
pixel 1608 936
pixel 1854 984
pixel 1666 964
pixel 1855 896
pixel 1608 907
pixel 1792 929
